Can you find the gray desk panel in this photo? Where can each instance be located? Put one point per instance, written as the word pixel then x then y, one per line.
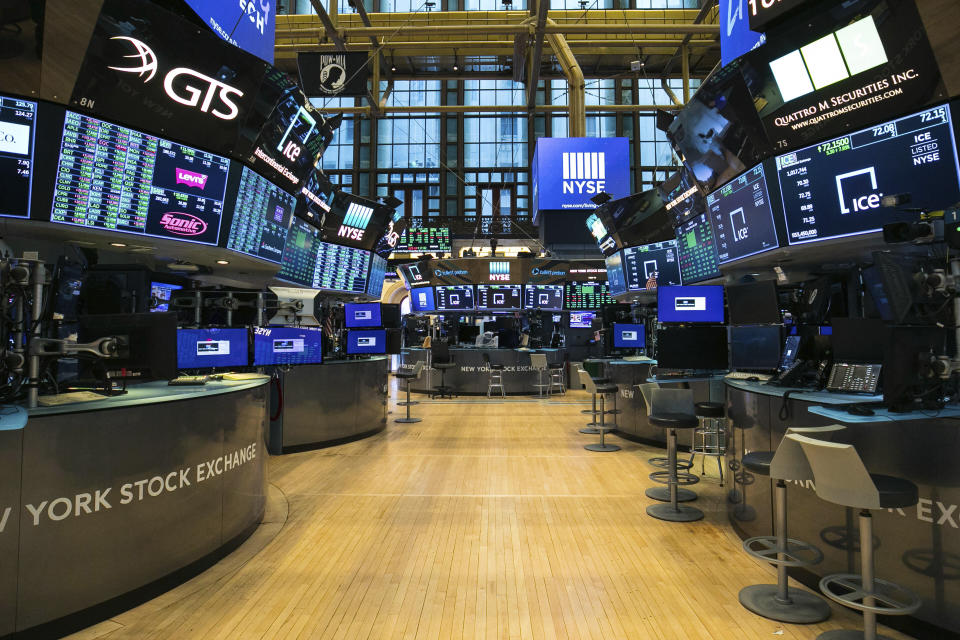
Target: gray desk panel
pixel 470 374
pixel 11 451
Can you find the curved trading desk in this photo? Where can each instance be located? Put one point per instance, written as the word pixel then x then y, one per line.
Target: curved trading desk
pixel 326 404
pixel 101 498
pixel 918 548
pixel 470 374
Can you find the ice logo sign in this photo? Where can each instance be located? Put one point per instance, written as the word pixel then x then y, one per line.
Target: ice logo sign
pixel 861 202
pixel 738 222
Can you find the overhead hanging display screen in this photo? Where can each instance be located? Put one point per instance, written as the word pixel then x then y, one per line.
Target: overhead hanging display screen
pixel 113 178
pixel 543 296
pixel 262 214
pixel 310 262
pixel 616 279
pixel 455 298
pixel 584 296
pixel 499 297
pixel 742 217
pixel 651 265
pixel 249 24
pixel 424 240
pixel 697 250
pixel 378 271
pixel 834 189
pixel 17 127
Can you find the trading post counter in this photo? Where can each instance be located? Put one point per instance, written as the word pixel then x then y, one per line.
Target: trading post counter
pixel 326 404
pixel 916 547
pixel 469 376
pixel 110 501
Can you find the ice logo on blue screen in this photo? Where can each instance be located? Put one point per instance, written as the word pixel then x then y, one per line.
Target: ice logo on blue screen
pixel 861 202
pixel 500 271
pixel 195 97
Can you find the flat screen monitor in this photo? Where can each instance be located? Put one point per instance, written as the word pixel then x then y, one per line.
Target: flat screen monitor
pixel 378 273
pixel 755 348
pixel 791 347
pixel 695 348
pixel 499 297
pixel 248 25
pixel 681 195
pixel 548 297
pixel 582 319
pixel 362 314
pixel 18 120
pixel 299 262
pixel 160 295
pixel 742 217
pixel 697 250
pixel 690 304
pixel 424 240
pixel 651 265
pixel 455 298
pixel 421 300
pixel 606 242
pixel 149 349
pixel 858 340
pixel 641 218
pixel 834 189
pixel 114 178
pixel 287 345
pixel 366 341
pixel 209 348
pixel 629 336
pixel 584 296
pixel 310 262
pixel 262 213
pixel 754 303
pixel 616 279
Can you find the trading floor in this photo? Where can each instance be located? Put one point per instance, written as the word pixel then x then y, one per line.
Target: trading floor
pixel 487 519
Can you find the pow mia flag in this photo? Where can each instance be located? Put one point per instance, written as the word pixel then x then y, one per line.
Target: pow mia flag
pixel 333 74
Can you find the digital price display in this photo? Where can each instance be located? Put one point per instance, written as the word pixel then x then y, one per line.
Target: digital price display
pixel 117 179
pixel 261 218
pixel 378 271
pixel 834 189
pixel 697 250
pixel 424 240
pixel 650 265
pixel 743 217
pixel 17 125
pixel 584 296
pixel 310 262
pixel 543 296
pixel 616 279
pixel 455 298
pixel 499 297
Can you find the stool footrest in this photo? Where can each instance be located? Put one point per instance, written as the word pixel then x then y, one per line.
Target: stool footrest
pixel 683 479
pixel 663 461
pixel 796 554
pixel 890 598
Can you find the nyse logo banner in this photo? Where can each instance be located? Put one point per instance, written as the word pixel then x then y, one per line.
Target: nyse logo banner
pixel 570 171
pixel 166 77
pixel 355 222
pixel 499 271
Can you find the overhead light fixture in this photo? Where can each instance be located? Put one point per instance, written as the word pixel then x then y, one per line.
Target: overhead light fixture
pixel 223 262
pixel 393 69
pixel 117 244
pixel 455 67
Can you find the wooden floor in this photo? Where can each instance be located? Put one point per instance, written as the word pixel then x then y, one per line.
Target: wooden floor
pixel 486 520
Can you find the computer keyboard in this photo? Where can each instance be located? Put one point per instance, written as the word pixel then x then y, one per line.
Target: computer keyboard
pixel 746 375
pixel 184 381
pixel 637 359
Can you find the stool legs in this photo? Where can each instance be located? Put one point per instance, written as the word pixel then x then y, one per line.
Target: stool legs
pixel 602 429
pixel 665 494
pixel 866 593
pixel 408 419
pixel 672 511
pixel 592 426
pixel 779 602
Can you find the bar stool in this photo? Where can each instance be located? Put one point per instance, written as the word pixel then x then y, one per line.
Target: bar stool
pixel 556 378
pixel 601 389
pixel 409 375
pixel 672 409
pixel 841 478
pixel 779 602
pixel 590 384
pixel 494 376
pixel 663 493
pixel 441 361
pixel 539 363
pixel 710 437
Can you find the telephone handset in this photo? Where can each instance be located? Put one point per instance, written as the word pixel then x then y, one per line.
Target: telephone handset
pixel 803 373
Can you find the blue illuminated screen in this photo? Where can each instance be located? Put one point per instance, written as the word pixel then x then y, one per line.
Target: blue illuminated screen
pixel 207 348
pixel 629 336
pixel 690 304
pixel 421 299
pixel 360 341
pixel 162 292
pixel 287 345
pixel 581 319
pixel 362 314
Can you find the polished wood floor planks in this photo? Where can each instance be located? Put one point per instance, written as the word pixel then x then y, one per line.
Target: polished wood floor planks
pixel 486 520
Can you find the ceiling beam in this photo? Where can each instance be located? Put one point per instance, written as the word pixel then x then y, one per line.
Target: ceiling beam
pixel 538 35
pixel 328 25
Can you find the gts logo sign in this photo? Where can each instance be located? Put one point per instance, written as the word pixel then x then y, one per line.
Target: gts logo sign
pixel 858 203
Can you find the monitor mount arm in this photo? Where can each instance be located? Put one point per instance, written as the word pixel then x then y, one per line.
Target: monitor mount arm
pixel 106 347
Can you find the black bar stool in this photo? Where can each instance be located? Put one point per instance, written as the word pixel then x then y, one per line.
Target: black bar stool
pixel 662 493
pixel 409 375
pixel 840 477
pixel 556 378
pixel 494 376
pixel 779 602
pixel 601 389
pixel 709 438
pixel 441 360
pixel 672 409
pixel 592 426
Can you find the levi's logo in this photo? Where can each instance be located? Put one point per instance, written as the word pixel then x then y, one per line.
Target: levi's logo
pixel 182 224
pixel 191 179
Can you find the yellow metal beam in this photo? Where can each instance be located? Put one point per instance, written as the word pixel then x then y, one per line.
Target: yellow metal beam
pixel 460 108
pixel 576 88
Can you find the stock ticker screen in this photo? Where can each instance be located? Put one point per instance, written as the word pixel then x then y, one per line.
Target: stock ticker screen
pixel 455 298
pixel 310 262
pixel 742 217
pixel 261 218
pixel 424 239
pixel 651 265
pixel 697 250
pixel 499 297
pixel 543 296
pixel 17 126
pixel 585 296
pixel 378 271
pixel 834 189
pixel 118 179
